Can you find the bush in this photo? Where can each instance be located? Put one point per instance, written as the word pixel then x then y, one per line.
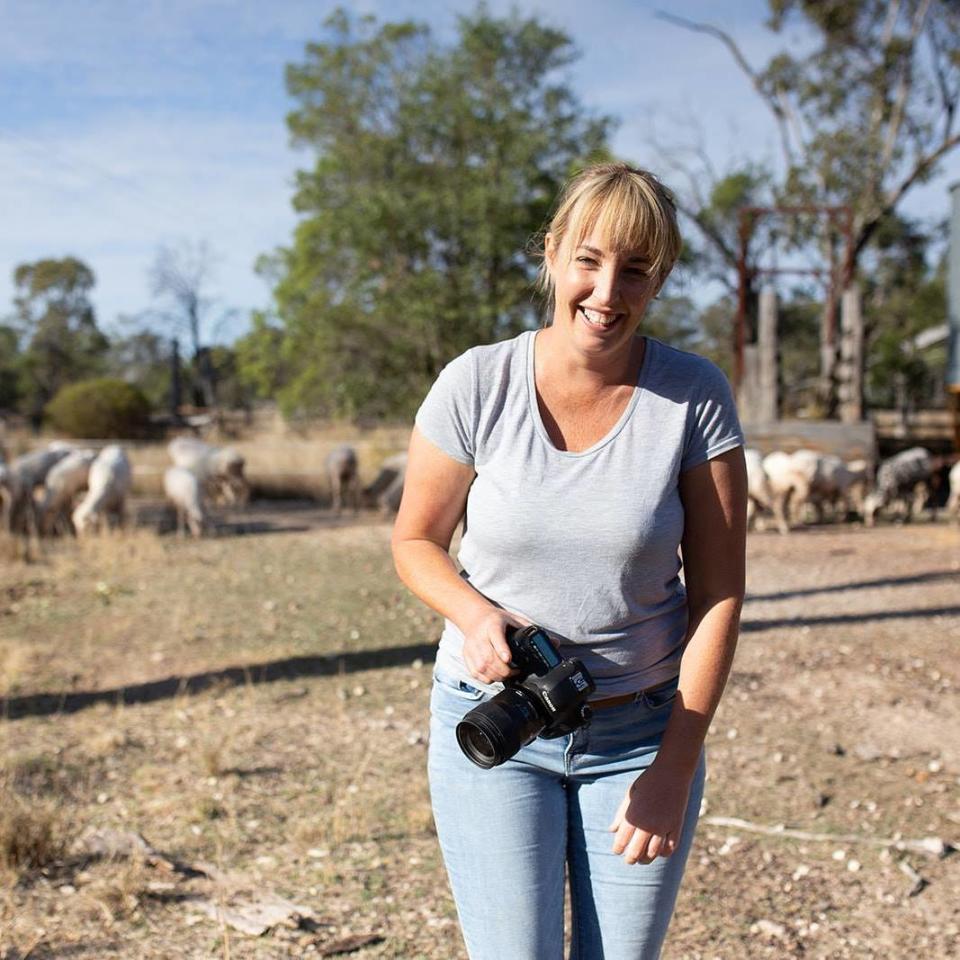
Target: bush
pixel 104 408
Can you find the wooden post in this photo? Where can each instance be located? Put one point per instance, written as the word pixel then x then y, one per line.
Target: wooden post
pixel 768 394
pixel 850 369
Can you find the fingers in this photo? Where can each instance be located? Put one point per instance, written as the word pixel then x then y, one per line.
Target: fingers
pixel 645 847
pixel 488 657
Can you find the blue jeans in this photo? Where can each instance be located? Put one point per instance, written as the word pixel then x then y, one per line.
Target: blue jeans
pixel 506 835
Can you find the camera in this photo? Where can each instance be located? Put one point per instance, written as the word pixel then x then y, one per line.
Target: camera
pixel 547 699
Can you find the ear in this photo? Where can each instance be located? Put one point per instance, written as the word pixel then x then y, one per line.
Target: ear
pixel 550 250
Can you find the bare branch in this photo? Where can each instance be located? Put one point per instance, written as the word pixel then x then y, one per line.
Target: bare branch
pixel 923 165
pixel 772 102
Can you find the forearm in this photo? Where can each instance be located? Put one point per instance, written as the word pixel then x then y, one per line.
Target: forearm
pixel 704 669
pixel 430 573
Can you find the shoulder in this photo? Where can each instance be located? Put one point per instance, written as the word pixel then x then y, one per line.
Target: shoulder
pixel 673 362
pixel 496 356
pixel 686 378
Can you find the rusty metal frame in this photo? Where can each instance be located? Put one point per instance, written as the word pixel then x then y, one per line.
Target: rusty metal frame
pixel 839 218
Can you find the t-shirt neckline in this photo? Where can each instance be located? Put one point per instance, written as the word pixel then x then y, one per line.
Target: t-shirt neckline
pixel 614 430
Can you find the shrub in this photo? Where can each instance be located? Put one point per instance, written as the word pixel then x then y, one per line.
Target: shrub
pixel 104 408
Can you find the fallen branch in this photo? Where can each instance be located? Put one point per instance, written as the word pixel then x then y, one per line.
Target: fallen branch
pixel 918 882
pixel 930 846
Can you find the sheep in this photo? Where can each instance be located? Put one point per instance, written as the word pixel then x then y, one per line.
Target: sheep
pixel 342 471
pixel 8 493
pixel 184 490
pixel 221 469
pixel 759 494
pixel 831 481
pixel 953 503
pixel 387 488
pixel 21 477
pixel 789 485
pixel 64 481
pixel 108 485
pixel 905 479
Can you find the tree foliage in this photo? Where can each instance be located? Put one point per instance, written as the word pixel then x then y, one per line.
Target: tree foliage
pixel 55 320
pixel 434 166
pixel 102 408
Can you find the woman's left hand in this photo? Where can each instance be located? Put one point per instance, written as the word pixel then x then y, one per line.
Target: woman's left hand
pixel 650 819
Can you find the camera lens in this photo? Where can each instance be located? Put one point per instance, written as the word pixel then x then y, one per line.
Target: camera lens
pixel 494 731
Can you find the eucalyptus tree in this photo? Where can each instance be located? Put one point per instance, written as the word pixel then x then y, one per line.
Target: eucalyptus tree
pixel 433 166
pixel 865 109
pixel 55 321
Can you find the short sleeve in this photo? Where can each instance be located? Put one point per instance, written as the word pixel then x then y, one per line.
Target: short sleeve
pixel 448 415
pixel 713 426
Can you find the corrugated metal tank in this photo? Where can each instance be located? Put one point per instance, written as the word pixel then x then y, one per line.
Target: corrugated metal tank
pixel 953 291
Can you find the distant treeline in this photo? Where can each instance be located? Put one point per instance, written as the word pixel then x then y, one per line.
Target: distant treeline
pixel 431 170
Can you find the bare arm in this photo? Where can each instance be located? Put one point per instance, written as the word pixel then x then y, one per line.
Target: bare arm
pixel 714 496
pixel 434 498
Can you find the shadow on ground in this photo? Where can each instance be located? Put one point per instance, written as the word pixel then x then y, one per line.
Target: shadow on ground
pixel 46 704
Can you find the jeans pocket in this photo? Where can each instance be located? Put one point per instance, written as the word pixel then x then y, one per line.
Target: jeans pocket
pixel 659 697
pixel 456 686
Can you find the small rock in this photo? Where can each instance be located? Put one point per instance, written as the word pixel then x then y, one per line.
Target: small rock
pixel 839 855
pixel 359 690
pixel 68 889
pixel 853 866
pixel 417 664
pixel 768 928
pixel 802 871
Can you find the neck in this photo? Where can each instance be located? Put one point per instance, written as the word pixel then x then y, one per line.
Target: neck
pixel 557 359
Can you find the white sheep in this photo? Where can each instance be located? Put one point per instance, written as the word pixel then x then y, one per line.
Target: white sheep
pixel 789 484
pixel 387 488
pixel 831 481
pixel 184 490
pixel 64 481
pixel 759 495
pixel 221 469
pixel 108 485
pixel 953 503
pixel 342 471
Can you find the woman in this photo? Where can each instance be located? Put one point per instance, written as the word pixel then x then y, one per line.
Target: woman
pixel 583 457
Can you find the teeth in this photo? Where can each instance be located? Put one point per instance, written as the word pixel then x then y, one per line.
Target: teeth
pixel 600 319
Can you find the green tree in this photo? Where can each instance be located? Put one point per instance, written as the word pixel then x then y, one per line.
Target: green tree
pixel 434 166
pixel 864 114
pixel 262 366
pixel 56 321
pixel 9 361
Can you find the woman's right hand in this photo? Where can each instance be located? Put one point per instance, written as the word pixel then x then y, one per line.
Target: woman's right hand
pixel 485 649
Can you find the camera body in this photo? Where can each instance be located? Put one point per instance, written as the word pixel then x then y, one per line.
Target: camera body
pixel 547 699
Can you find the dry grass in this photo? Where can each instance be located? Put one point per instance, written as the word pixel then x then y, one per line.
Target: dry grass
pixel 32 832
pixel 313 784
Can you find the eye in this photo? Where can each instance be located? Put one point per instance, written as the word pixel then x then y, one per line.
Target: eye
pixel 588 261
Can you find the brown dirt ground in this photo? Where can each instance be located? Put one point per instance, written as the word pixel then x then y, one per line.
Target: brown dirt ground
pixel 302 770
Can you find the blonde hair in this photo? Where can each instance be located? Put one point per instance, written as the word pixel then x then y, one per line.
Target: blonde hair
pixel 629 207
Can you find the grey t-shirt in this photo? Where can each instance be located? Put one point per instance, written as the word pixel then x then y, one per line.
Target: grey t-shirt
pixel 584 544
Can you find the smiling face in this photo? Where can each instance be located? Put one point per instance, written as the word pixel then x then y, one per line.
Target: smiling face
pixel 611 244
pixel 600 293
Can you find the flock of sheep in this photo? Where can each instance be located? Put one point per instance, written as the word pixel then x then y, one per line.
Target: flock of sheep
pixel 64 488
pixel 789 485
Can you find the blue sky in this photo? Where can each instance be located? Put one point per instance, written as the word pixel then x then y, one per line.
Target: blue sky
pixel 127 126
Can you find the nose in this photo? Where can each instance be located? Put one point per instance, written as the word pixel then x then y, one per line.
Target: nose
pixel 606 288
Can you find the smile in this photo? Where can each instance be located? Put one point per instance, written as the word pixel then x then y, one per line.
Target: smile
pixel 601 321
